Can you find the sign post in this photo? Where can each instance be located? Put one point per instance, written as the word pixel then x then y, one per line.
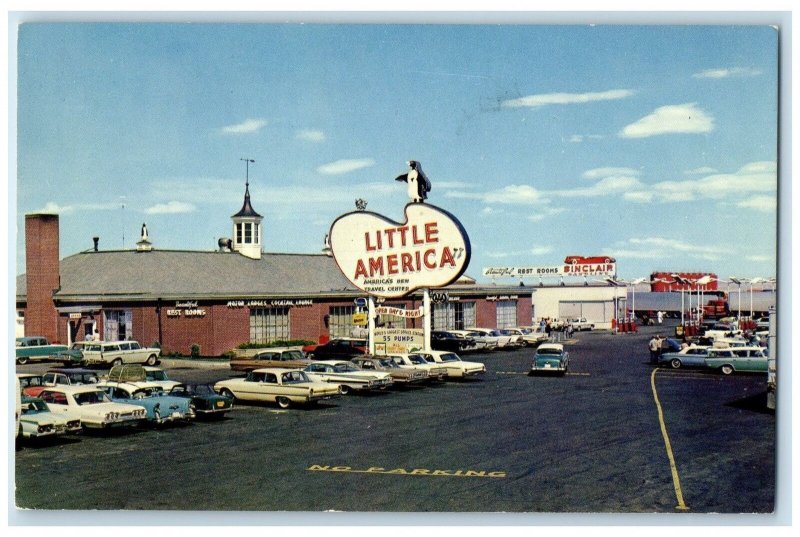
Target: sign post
pixel 371 325
pixel 427 314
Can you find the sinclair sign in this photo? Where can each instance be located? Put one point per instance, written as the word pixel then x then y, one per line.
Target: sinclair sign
pixel 573 266
pixel 391 259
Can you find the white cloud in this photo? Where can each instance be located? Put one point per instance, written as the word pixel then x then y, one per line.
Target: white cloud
pixel 52 207
pixel 599 173
pixel 545 99
pixel 541 250
pixel 536 250
pixel 673 119
pixel 310 135
pixel 345 166
pixel 578 138
pixel 701 171
pixel 761 258
pixel 727 72
pixel 171 207
pixel 512 194
pixel 638 197
pixel 545 212
pixel 247 126
pixel 659 248
pixel 759 203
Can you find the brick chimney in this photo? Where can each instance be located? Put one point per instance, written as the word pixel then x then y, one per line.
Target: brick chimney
pixel 42 275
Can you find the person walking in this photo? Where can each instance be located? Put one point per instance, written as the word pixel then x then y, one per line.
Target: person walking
pixel 655 346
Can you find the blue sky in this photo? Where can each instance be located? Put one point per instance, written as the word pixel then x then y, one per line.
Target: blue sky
pixel 654 144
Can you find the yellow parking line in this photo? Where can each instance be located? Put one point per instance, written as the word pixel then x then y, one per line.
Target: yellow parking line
pixel 675 479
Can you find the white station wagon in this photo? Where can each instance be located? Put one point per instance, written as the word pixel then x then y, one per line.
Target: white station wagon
pixel 118 353
pixel 456 367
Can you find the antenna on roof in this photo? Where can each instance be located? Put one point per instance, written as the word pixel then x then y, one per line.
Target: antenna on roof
pixel 247 170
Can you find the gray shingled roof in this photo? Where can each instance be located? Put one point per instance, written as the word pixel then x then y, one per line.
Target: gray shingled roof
pixel 185 274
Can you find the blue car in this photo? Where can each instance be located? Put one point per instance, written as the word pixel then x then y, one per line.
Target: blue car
pixel 161 408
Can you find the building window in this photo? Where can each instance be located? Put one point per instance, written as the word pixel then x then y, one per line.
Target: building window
pixel 454 316
pixel 248 233
pixel 269 324
pixel 340 321
pixel 117 325
pixel 255 233
pixel 392 321
pixel 506 313
pixel 238 233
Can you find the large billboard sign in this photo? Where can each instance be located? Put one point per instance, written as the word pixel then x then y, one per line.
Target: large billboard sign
pixel 391 259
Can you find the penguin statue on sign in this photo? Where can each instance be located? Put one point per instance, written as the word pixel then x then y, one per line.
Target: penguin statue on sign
pixel 418 183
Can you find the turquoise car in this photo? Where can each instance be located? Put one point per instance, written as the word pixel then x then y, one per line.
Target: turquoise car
pixel 550 358
pixel 161 408
pixel 737 359
pixel 688 357
pixel 36 348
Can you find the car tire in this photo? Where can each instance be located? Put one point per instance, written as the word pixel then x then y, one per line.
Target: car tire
pixel 118 361
pixel 675 363
pixel 225 392
pixel 344 389
pixel 283 402
pixel 151 360
pixel 22 361
pixel 726 369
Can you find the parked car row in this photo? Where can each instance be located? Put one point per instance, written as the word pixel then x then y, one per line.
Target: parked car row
pixel 107 353
pixel 726 360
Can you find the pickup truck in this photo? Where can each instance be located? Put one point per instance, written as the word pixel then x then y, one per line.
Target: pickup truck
pixel 118 353
pixel 36 348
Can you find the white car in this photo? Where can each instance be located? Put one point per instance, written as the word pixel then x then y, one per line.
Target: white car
pixel 37 420
pixel 529 336
pixel 347 375
pixel 277 385
pixel 156 375
pixel 456 367
pixel 118 353
pixel 482 341
pixel 416 361
pixel 580 324
pixel 95 408
pixel 501 341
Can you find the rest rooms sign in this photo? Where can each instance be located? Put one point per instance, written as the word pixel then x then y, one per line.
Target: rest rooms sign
pixel 391 259
pixel 578 269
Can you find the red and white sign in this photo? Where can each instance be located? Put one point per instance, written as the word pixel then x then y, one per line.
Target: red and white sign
pixel 391 259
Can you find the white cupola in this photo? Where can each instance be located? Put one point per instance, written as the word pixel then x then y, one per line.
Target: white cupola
pixel 247 228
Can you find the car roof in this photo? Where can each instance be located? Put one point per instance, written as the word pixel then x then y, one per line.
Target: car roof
pixel 78 388
pixel 554 346
pixel 278 349
pixel 152 368
pixel 270 370
pixel 27 375
pixel 331 362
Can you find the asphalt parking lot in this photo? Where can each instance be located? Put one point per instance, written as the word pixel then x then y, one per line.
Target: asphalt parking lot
pixel 593 441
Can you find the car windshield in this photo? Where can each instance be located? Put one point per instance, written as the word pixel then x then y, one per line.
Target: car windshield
pixel 91 398
pixel 417 359
pixel 293 377
pixel 292 355
pixel 385 362
pixel 449 357
pixel 33 407
pixel 77 347
pixel 345 368
pixel 156 375
pixel 554 352
pixel 201 389
pixel 81 378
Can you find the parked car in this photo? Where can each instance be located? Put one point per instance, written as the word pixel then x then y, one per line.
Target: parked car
pixel 400 375
pixel 38 421
pixel 63 376
pixel 29 380
pixel 530 335
pixel 737 359
pixel 550 357
pixel 118 353
pixel 452 362
pixel 479 340
pixel 723 330
pixel 160 407
pixel 347 375
pixel 277 357
pixel 491 333
pixel 282 386
pixel 762 323
pixel 691 356
pixel 95 408
pixel 516 337
pixel 156 375
pixel 338 349
pixel 207 403
pixel 580 324
pixel 71 357
pixel 451 341
pixel 417 362
pixel 36 348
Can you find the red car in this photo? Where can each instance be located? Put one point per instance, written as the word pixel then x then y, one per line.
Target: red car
pixel 594 260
